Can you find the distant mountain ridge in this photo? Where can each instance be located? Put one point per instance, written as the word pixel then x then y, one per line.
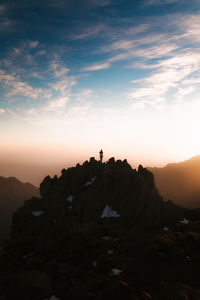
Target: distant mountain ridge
pixel 180 182
pixel 12 195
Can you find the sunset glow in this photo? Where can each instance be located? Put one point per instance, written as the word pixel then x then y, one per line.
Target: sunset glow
pixel 78 76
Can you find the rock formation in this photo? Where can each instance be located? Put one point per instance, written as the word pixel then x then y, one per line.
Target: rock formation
pixel 101 231
pixel 93 186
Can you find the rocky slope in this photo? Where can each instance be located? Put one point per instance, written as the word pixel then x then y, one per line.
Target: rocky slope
pixel 101 231
pixel 180 182
pixel 12 195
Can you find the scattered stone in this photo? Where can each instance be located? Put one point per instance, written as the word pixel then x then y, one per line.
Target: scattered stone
pixel 37 213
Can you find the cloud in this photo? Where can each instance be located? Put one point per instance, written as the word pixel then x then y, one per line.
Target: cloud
pixel 6 24
pixel 64 85
pixel 136 29
pixel 16 87
pixel 160 2
pixel 84 95
pixel 169 73
pixel 2 111
pixel 58 70
pixel 101 2
pixel 20 88
pixel 17 78
pixel 56 105
pixel 33 44
pixel 171 58
pixel 157 51
pixel 89 32
pixel 191 27
pixel 97 67
pixel 126 44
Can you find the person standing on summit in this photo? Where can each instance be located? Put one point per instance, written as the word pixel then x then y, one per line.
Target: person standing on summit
pixel 101 155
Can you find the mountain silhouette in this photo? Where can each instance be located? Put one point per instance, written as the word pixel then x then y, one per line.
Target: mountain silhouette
pixel 82 193
pixel 12 195
pixel 180 182
pixel 101 231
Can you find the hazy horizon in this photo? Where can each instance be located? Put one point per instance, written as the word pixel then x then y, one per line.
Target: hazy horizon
pixel 34 172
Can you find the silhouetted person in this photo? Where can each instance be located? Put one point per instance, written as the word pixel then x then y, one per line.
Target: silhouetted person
pixel 101 155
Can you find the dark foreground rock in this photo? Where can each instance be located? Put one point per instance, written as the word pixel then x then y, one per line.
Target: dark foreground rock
pixel 101 231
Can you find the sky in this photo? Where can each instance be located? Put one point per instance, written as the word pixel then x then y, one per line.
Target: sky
pixel 80 75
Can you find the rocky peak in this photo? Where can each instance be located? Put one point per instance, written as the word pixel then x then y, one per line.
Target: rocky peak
pixel 81 194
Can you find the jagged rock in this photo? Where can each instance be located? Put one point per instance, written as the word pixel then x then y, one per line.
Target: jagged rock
pixel 93 186
pixel 45 186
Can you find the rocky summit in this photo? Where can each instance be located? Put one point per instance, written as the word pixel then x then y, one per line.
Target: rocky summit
pixel 92 193
pixel 101 231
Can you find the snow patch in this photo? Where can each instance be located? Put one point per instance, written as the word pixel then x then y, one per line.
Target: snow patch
pixel 184 221
pixel 115 272
pixel 108 212
pixel 165 228
pixel 70 198
pixel 37 213
pixel 90 181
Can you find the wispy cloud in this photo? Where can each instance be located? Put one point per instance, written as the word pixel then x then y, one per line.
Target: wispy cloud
pixel 90 32
pixel 17 82
pixel 150 52
pixel 6 24
pixel 56 105
pixel 64 85
pixel 58 69
pixel 84 95
pixel 160 2
pixel 171 73
pixel 15 87
pixel 2 111
pixel 33 44
pixel 191 27
pixel 97 67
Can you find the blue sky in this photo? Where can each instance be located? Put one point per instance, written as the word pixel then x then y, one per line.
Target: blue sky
pixel 78 75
